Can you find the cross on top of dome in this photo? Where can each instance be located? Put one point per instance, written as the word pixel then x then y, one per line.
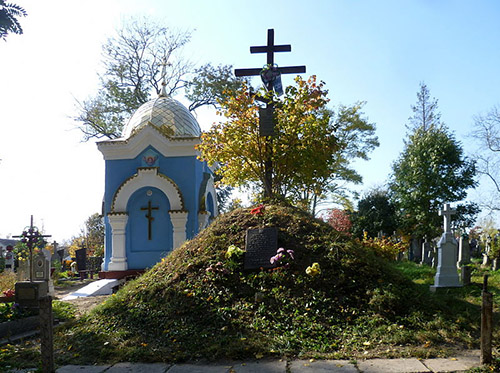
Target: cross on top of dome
pixel 164 64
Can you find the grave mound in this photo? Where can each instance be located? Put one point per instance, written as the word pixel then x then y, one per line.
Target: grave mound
pixel 201 303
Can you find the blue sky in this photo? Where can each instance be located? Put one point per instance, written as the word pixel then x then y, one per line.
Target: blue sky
pixel 373 51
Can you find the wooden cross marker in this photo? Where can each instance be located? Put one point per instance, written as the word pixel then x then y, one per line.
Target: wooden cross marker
pixel 149 216
pixel 446 213
pixel 266 122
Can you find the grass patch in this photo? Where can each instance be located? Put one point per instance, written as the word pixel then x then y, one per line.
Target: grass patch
pixel 198 303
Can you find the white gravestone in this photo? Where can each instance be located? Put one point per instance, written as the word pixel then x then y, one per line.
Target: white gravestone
pixel 447 274
pixel 486 254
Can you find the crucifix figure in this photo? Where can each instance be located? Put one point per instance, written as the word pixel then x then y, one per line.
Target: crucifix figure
pixel 268 75
pixel 31 238
pixel 149 216
pixel 446 213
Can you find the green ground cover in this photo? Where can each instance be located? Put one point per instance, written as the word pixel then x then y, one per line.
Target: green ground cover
pixel 199 303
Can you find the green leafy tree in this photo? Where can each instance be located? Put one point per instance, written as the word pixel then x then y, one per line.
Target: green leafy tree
pixel 211 85
pixel 311 148
pixel 94 234
pixel 376 213
pixel 9 14
pixel 431 170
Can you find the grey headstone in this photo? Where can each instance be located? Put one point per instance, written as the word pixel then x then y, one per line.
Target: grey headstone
pixel 261 245
pixel 41 267
pixel 463 252
pixel 447 274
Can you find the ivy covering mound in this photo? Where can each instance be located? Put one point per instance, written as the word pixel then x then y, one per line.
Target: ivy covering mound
pixel 329 296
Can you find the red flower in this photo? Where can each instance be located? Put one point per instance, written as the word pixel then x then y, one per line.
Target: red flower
pixel 9 293
pixel 259 210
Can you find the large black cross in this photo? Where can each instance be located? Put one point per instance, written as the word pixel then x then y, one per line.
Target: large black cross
pixel 270 49
pixel 31 238
pixel 149 216
pixel 266 122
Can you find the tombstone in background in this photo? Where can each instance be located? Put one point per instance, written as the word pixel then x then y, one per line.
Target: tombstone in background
pixel 434 263
pixel 81 259
pixel 9 259
pixel 474 248
pixel 41 270
pixel 486 254
pixel 447 274
pixel 463 251
pixel 427 253
pixel 415 250
pixel 23 270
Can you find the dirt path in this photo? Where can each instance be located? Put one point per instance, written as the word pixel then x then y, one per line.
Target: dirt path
pixel 83 304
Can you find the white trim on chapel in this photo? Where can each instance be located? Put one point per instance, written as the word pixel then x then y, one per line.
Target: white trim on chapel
pixel 118 217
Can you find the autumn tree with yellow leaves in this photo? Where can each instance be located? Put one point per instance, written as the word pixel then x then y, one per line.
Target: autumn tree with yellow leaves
pixel 311 150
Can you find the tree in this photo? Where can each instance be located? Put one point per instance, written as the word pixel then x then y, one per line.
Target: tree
pixel 376 213
pixel 311 148
pixel 94 234
pixel 487 133
pixel 212 85
pixel 8 19
pixel 133 61
pixel 430 171
pixel 425 114
pixel 340 220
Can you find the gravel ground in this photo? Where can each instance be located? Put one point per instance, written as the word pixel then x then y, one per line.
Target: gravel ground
pixel 83 304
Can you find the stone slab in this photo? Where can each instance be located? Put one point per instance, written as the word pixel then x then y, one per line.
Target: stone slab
pixel 199 368
pixel 392 366
pixel 139 368
pixel 458 364
pixel 322 366
pixel 261 366
pixel 82 369
pixel 99 287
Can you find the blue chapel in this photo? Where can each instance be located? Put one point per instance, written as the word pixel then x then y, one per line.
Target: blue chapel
pixel 157 193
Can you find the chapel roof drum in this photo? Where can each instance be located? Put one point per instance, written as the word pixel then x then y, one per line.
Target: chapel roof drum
pixel 169 116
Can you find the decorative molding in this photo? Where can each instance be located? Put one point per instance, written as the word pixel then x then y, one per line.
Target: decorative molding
pixel 147 177
pixel 148 135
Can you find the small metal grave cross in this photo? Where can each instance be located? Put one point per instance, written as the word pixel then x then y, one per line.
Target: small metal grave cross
pixel 149 216
pixel 31 238
pixel 446 213
pixel 266 122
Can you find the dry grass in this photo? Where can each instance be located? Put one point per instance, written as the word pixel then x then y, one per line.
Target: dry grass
pixel 7 281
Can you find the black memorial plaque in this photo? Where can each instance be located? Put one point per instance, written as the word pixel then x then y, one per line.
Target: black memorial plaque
pixel 266 125
pixel 261 245
pixel 81 259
